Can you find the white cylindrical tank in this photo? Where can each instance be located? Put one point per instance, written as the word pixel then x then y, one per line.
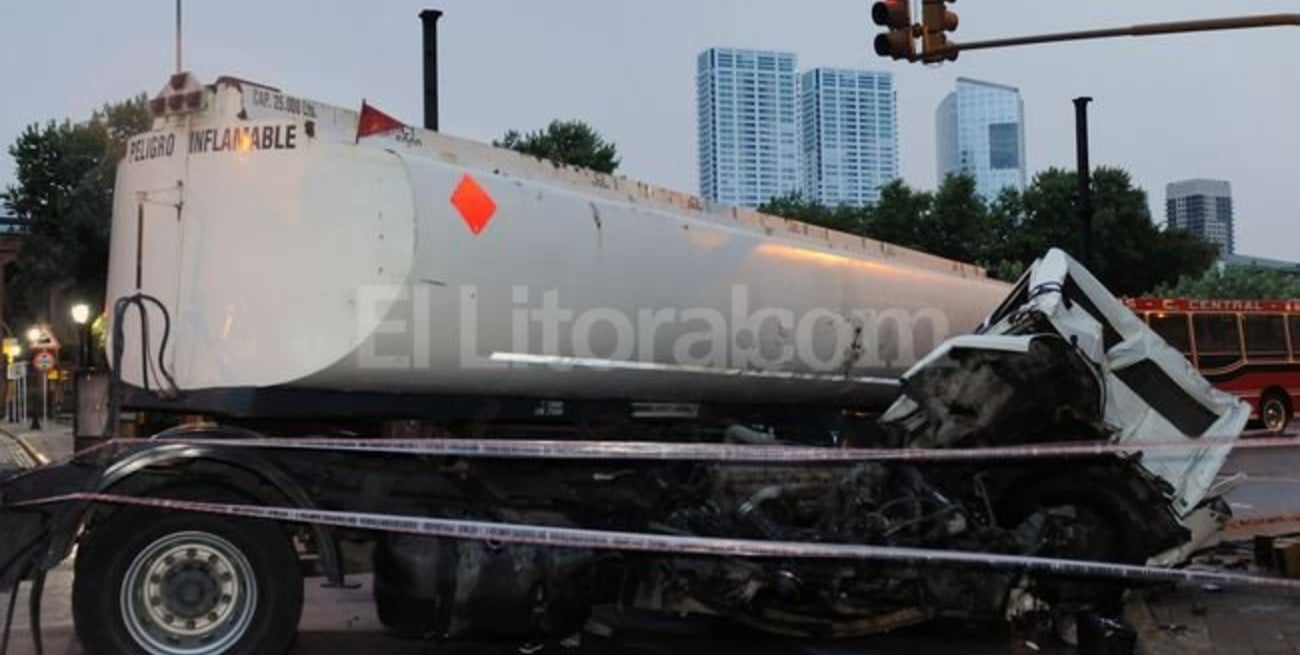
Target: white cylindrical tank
pixel 290 253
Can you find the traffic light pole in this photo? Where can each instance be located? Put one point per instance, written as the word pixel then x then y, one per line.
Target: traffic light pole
pixel 1149 29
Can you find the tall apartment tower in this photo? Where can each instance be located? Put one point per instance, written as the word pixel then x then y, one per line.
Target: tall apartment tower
pixel 1202 207
pixel 849 135
pixel 748 125
pixel 980 130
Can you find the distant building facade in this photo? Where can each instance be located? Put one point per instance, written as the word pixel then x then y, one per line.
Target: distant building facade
pixel 748 125
pixel 1203 207
pixel 849 142
pixel 980 131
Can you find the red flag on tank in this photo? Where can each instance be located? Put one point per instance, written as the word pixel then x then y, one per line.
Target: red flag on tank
pixel 374 121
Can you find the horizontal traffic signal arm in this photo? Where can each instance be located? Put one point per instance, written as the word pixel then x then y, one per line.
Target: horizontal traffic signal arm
pixel 1148 29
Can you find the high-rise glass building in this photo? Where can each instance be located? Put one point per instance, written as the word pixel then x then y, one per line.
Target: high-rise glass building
pixel 849 137
pixel 980 130
pixel 748 125
pixel 1202 207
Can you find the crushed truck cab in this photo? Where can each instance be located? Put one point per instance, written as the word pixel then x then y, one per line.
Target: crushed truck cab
pixel 1062 359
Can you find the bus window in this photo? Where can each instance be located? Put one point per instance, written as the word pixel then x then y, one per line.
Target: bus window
pixel 1218 340
pixel 1173 329
pixel 1295 335
pixel 1265 336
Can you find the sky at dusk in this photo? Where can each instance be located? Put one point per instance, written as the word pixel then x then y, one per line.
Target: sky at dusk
pixel 1220 105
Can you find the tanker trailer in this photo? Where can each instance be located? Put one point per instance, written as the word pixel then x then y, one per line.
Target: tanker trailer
pixel 299 266
pixel 615 395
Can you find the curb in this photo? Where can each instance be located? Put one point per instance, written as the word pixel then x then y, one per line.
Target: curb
pixel 37 456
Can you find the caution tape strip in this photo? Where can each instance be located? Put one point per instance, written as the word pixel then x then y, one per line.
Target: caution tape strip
pixel 706 452
pixel 515 533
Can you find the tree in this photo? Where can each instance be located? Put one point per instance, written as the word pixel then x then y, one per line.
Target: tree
pixel 567 142
pixel 1234 282
pixel 845 218
pixel 1130 254
pixel 957 225
pixel 896 218
pixel 952 222
pixel 65 174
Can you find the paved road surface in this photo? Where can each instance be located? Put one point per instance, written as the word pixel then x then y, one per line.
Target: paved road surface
pixel 1270 487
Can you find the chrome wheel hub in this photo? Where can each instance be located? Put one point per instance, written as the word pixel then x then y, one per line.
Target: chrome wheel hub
pixel 188 593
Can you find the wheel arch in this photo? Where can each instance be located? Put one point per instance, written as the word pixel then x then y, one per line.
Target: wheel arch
pixel 1118 485
pixel 221 465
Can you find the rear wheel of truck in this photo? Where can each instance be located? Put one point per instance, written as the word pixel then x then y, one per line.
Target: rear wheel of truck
pixel 170 583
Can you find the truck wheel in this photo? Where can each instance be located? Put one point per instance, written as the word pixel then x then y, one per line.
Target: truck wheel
pixel 151 583
pixel 1275 412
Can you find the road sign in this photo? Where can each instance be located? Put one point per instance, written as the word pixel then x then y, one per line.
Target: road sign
pixel 43 339
pixel 43 360
pixel 17 371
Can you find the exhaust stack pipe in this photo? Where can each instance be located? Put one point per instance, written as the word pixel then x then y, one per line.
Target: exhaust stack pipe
pixel 429 17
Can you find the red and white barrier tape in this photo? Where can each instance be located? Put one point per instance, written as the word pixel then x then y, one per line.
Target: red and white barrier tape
pixel 679 545
pixel 706 452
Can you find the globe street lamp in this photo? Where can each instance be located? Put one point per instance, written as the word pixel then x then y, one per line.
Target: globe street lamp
pixel 80 313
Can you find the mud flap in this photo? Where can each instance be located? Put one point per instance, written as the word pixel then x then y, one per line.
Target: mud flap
pixel 24 535
pixel 35 539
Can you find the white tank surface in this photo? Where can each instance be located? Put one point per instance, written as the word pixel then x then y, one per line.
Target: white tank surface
pixel 288 252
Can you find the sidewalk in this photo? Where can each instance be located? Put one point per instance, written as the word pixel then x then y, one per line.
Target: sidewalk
pixel 22 447
pixel 14 455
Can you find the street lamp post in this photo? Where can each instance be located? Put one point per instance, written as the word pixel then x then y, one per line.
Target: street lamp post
pixel 35 335
pixel 81 316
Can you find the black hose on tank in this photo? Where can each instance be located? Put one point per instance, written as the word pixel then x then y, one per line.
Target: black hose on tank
pixel 120 308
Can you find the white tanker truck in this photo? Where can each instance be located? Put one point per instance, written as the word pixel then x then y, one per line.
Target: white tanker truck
pixel 573 370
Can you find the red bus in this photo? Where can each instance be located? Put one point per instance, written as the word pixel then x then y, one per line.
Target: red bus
pixel 1247 347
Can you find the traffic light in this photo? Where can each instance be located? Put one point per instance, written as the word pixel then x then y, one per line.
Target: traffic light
pixel 897 16
pixel 936 22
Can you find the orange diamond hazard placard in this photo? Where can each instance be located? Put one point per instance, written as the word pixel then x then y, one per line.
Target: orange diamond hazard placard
pixel 476 207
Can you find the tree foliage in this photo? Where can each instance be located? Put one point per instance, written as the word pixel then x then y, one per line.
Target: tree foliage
pixel 1130 254
pixel 65 174
pixel 844 218
pixel 568 142
pixel 1234 282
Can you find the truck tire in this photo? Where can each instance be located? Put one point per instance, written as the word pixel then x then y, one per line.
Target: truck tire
pixel 1275 412
pixel 175 583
